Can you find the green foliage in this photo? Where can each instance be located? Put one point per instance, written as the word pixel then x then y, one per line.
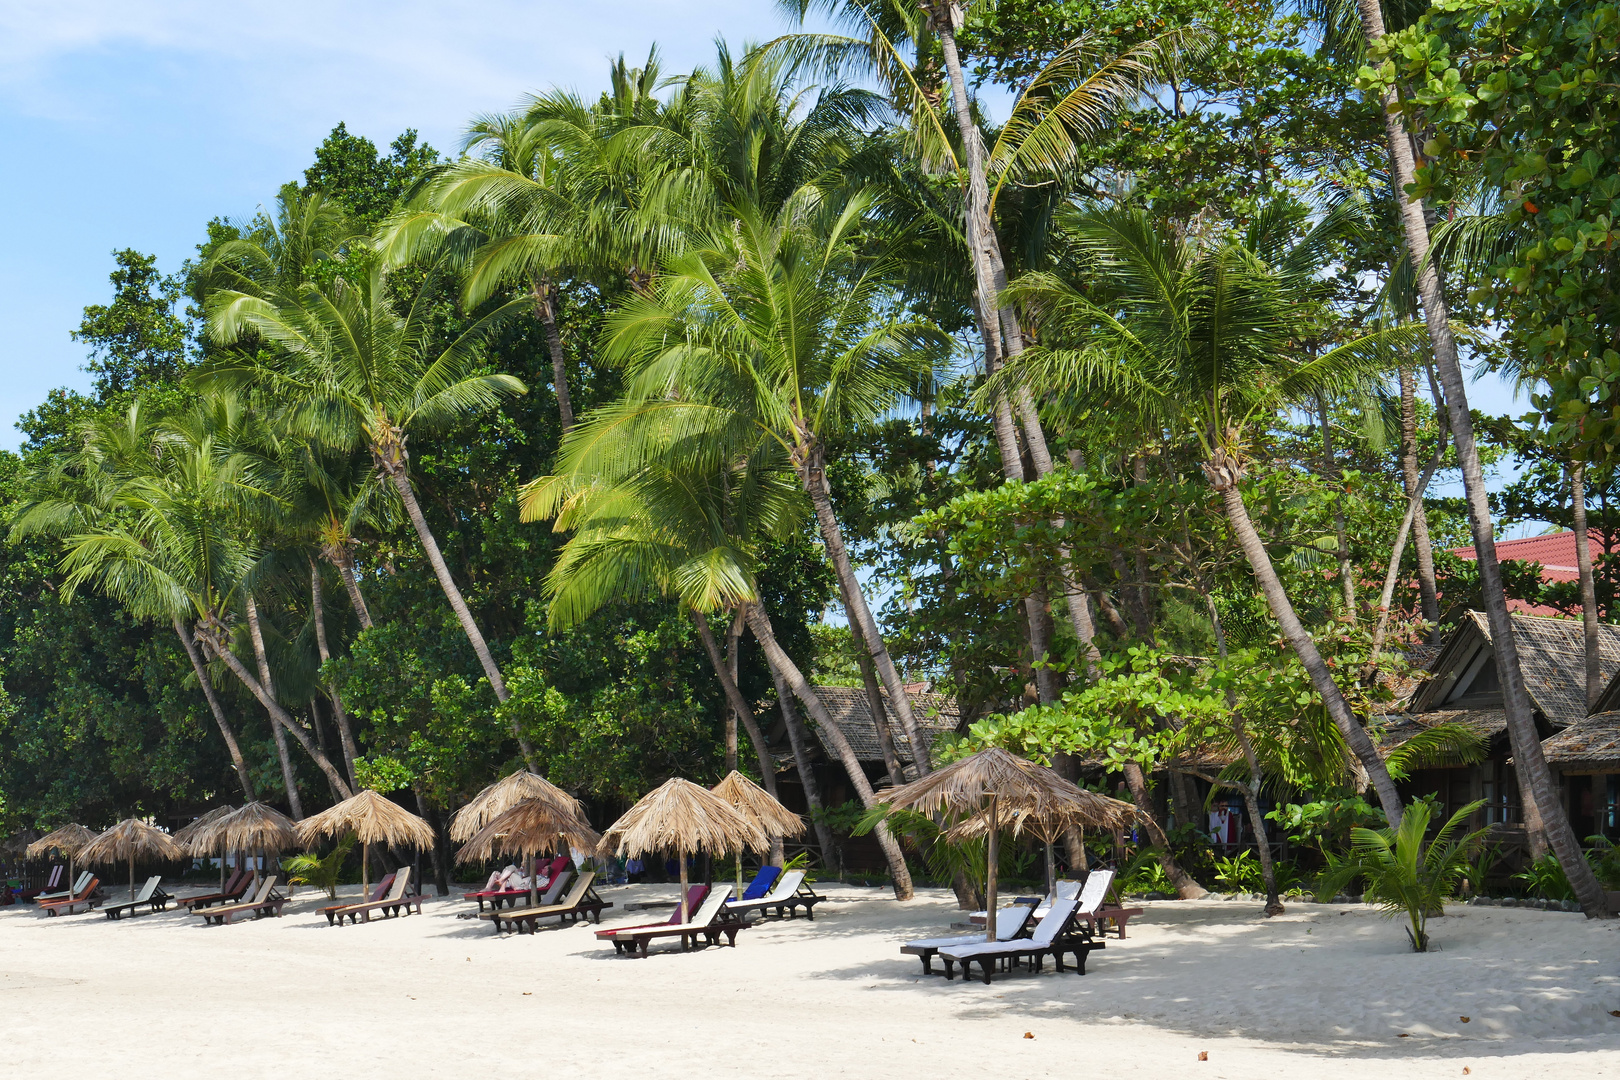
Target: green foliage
pixel 369 184
pixel 381 772
pixel 1327 823
pixel 1404 873
pixel 1546 879
pixel 1240 872
pixel 322 871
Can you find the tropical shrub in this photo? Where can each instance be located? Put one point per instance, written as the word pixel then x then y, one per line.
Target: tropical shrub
pixel 1406 875
pixel 1241 872
pixel 321 871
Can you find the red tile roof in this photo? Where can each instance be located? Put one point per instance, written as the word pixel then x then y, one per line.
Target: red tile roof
pixel 1554 551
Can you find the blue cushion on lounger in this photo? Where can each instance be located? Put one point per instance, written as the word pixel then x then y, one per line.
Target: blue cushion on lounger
pixel 762 882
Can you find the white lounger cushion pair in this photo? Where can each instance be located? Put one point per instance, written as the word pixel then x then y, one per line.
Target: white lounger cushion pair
pixel 786 886
pixel 696 920
pixel 1042 938
pixel 1009 921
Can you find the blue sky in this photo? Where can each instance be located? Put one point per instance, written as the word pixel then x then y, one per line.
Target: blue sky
pixel 130 123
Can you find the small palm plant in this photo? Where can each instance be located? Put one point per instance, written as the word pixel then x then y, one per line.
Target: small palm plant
pixel 1406 874
pixel 320 871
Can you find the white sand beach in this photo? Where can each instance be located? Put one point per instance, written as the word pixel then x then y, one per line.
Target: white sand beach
pixel 1324 991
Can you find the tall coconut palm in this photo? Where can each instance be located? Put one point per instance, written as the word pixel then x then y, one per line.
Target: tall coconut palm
pixel 355 373
pixel 159 525
pixel 1208 338
pixel 674 526
pixel 771 334
pixel 1535 778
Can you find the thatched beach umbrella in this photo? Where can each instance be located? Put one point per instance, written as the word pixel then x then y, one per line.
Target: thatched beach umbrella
pixel 69 840
pixel 506 793
pixel 373 819
pixel 256 826
pixel 128 840
pixel 1004 789
pixel 186 836
pixel 682 817
pixel 774 820
pixel 525 830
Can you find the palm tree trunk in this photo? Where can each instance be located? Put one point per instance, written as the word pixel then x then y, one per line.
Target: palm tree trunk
pixel 1251 790
pixel 1414 509
pixel 737 703
pixel 1583 561
pixel 814 476
pixel 725 667
pixel 295 802
pixel 1186 887
pixel 225 730
pixel 469 626
pixel 1536 785
pixel 1427 591
pixel 807 777
pixel 318 614
pixel 351 584
pixel 544 291
pixel 1347 574
pixel 874 703
pixel 213 640
pixel 833 739
pixel 1223 473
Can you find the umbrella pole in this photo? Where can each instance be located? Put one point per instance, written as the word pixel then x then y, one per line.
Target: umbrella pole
pixel 132 877
pixel 365 866
pixel 680 857
pixel 534 886
pixel 1051 871
pixel 992 856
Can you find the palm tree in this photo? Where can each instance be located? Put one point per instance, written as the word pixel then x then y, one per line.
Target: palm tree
pixel 1208 338
pixel 770 335
pixel 1535 778
pixel 672 525
pixel 159 524
pixel 357 374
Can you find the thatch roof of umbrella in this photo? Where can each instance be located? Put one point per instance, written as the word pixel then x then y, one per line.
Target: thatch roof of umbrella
pixel 532 826
pixel 1022 789
pixel 773 818
pixel 129 840
pixel 255 827
pixel 69 840
pixel 681 816
pixel 373 819
pixel 186 837
pixel 1005 790
pixel 504 794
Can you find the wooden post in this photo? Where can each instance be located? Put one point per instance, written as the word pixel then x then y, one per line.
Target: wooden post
pixel 680 856
pixel 992 856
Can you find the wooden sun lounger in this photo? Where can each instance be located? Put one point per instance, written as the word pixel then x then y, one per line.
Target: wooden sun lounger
pixel 790 893
pixel 1010 923
pixel 510 897
pixel 84 901
pixel 398 901
pixel 238 883
pixel 695 896
pixel 709 922
pixel 151 897
pixel 581 902
pixel 46 891
pixel 266 901
pixel 378 891
pixel 66 894
pixel 1057 934
pixel 1109 913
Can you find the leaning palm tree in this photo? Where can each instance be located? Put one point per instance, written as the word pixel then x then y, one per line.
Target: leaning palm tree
pixel 158 520
pixel 354 372
pixel 770 335
pixel 669 529
pixel 1206 338
pixel 1340 21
